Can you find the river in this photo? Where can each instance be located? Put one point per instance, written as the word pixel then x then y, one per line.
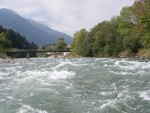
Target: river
pixel 80 85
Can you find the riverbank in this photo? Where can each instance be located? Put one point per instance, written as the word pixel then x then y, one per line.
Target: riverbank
pixel 6 59
pixel 143 55
pixel 59 55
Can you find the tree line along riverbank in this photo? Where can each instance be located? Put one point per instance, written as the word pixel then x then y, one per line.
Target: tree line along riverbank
pixel 125 35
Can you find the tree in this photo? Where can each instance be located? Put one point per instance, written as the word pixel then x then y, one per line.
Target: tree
pixel 127 33
pixel 107 39
pixel 146 25
pixel 87 49
pixel 141 13
pixel 10 39
pixel 126 27
pixel 61 44
pixel 78 44
pixel 4 43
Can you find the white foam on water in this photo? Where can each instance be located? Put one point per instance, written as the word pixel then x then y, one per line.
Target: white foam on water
pixel 114 103
pixel 43 76
pixel 127 65
pixel 69 87
pixel 9 97
pixel 30 75
pixel 45 83
pixel 121 73
pixel 145 95
pixel 2 100
pixel 61 64
pixel 114 86
pixel 9 70
pixel 36 73
pixel 64 63
pixel 131 68
pixel 104 59
pixel 105 65
pixel 106 93
pixel 120 95
pixel 146 66
pixel 141 72
pixel 1 78
pixel 2 74
pixel 132 65
pixel 117 63
pixel 56 75
pixel 110 103
pixel 13 68
pixel 29 109
pixel 31 94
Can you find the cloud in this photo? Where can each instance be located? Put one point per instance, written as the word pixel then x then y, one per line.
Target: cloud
pixel 67 16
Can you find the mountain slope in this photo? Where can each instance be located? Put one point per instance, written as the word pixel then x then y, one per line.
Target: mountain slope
pixel 51 31
pixel 33 31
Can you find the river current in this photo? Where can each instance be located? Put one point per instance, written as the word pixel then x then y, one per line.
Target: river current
pixel 83 85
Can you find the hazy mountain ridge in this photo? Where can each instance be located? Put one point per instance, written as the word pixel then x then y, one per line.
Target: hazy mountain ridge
pixel 33 31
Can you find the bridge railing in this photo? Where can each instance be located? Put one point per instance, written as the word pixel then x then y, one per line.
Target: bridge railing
pixel 34 50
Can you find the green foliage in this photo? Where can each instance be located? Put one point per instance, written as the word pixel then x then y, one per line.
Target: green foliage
pixel 132 44
pixel 125 22
pixel 10 39
pixel 125 34
pixel 146 25
pixel 146 40
pixel 78 45
pixel 43 48
pixel 146 22
pixel 18 41
pixel 15 40
pixel 4 43
pixel 47 48
pixel 100 41
pixel 87 49
pixel 99 37
pixel 140 8
pixel 141 13
pixel 61 44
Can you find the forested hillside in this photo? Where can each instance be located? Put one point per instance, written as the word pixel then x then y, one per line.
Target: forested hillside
pixel 10 39
pixel 125 35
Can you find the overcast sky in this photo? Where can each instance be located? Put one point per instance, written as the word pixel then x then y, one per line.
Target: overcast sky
pixel 67 16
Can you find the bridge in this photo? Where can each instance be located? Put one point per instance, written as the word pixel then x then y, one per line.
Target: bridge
pixel 27 52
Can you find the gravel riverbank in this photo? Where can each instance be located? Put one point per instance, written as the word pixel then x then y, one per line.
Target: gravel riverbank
pixel 6 59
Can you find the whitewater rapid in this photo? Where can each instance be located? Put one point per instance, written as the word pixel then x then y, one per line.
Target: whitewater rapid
pixel 80 85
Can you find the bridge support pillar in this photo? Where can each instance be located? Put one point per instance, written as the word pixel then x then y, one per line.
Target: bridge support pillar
pixel 28 55
pixel 55 55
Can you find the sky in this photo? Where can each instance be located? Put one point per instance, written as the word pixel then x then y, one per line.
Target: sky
pixel 67 16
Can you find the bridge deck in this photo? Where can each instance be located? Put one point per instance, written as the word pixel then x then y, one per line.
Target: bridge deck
pixel 36 51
